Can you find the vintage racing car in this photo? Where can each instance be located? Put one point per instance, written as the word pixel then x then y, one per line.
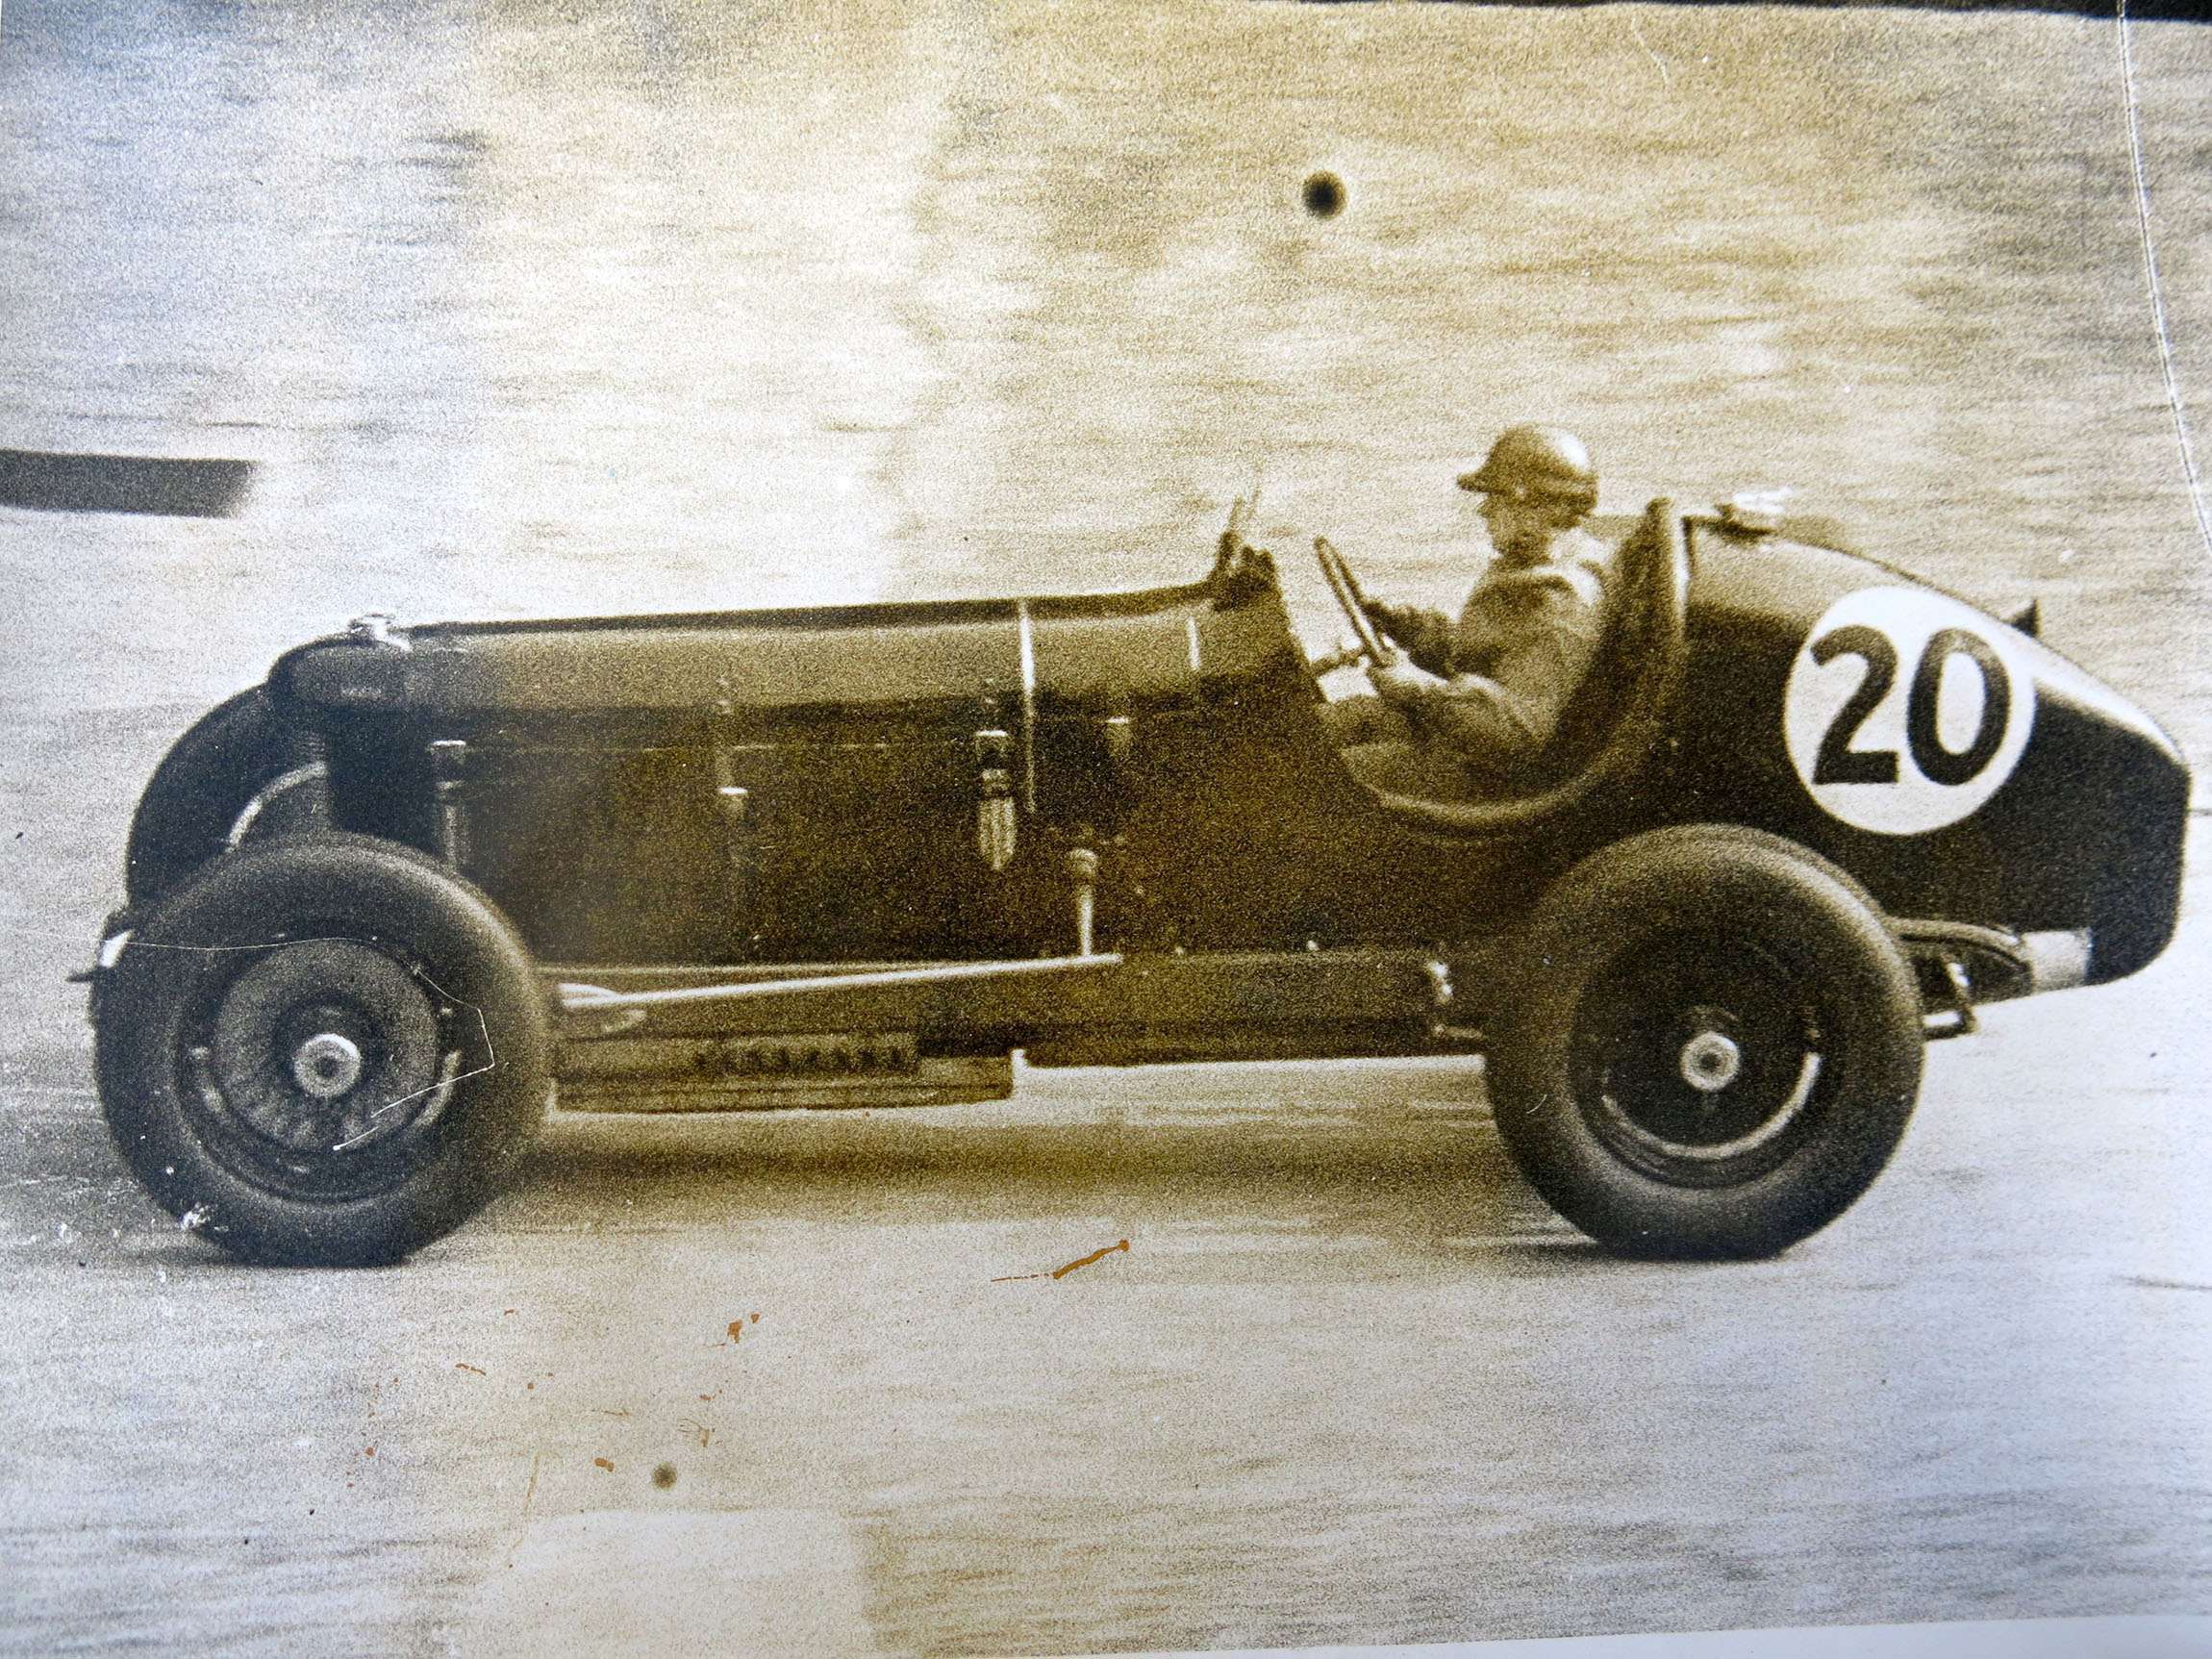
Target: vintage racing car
pixel 1807 813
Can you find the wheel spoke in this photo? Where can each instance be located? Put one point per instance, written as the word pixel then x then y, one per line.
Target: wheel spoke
pixel 314 1054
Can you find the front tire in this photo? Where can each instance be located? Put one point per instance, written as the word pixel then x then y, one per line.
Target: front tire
pixel 1716 1049
pixel 323 1050
pixel 244 771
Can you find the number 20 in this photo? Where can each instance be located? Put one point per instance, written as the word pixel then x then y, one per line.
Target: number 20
pixel 1838 763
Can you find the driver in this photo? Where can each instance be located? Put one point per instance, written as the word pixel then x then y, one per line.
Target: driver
pixel 1472 704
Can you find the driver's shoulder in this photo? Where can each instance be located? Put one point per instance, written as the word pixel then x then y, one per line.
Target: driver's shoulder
pixel 1591 561
pixel 1571 579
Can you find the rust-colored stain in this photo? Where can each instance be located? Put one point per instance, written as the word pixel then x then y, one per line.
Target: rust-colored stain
pixel 368 1451
pixel 529 1385
pixel 611 1410
pixel 606 1464
pixel 1094 1256
pixel 477 1370
pixel 699 1430
pixel 1063 1272
pixel 736 1329
pixel 664 1476
pixel 504 1312
pixel 707 1398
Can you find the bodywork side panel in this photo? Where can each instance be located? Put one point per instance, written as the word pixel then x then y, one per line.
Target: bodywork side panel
pixel 1172 732
pixel 811 784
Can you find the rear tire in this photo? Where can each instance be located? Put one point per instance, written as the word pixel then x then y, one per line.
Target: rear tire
pixel 323 1050
pixel 1716 1049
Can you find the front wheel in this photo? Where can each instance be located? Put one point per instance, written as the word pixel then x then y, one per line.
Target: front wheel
pixel 1716 1047
pixel 323 1050
pixel 245 772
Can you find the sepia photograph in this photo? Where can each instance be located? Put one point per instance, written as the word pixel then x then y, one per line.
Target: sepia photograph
pixel 1003 827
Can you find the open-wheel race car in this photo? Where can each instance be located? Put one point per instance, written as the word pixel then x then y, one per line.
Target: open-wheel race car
pixel 1805 815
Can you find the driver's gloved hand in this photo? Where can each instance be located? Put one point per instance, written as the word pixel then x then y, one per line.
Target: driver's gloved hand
pixel 1387 618
pixel 1346 653
pixel 1398 681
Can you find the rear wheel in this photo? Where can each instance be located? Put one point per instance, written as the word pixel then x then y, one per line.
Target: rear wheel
pixel 325 1049
pixel 1716 1049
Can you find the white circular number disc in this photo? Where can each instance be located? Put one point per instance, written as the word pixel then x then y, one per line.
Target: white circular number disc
pixel 1907 710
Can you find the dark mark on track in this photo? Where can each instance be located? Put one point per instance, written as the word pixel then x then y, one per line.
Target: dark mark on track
pixel 55 482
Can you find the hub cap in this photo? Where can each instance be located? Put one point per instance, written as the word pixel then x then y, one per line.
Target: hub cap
pixel 327 1065
pixel 1698 1061
pixel 1711 1061
pixel 318 1065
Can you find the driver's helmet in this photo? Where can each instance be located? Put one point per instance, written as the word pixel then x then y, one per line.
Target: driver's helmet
pixel 1546 463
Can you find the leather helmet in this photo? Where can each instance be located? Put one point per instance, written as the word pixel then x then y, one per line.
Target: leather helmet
pixel 1546 464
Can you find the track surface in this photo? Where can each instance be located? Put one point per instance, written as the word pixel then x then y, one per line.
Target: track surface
pixel 1348 1382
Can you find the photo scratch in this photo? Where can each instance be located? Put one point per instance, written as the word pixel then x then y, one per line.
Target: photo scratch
pixel 2154 286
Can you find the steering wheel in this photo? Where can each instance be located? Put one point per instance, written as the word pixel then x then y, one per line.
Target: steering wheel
pixel 1346 587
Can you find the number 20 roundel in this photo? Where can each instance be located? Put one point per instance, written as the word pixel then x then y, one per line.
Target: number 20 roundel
pixel 1907 710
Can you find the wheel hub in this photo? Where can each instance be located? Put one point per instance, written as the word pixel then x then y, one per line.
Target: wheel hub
pixel 1698 1064
pixel 322 1045
pixel 327 1065
pixel 1711 1061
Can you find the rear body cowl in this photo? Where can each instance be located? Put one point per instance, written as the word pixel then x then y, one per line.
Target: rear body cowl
pixel 2083 831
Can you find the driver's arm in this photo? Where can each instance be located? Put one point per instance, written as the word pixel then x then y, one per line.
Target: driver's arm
pixel 1513 713
pixel 1482 719
pixel 1424 635
pixel 1473 714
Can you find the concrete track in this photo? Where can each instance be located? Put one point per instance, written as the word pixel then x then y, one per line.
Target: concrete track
pixel 807 1381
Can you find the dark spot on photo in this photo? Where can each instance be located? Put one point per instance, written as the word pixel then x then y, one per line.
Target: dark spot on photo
pixel 1324 195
